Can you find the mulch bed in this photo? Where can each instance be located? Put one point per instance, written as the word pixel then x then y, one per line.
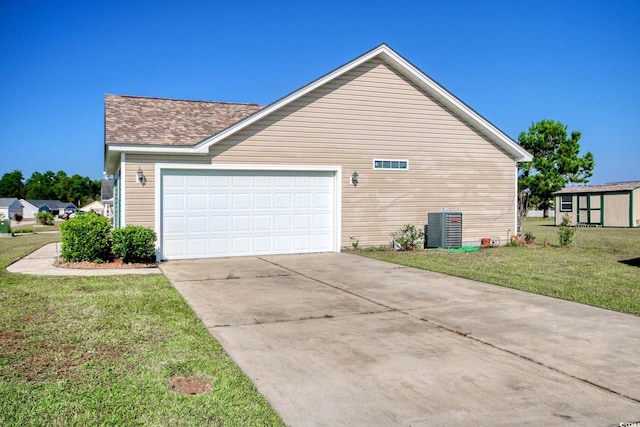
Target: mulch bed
pixel 116 263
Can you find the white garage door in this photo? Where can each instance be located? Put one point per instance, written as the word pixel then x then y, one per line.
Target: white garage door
pixel 237 213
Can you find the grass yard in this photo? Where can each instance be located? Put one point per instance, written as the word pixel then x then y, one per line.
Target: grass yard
pixel 104 351
pixel 601 268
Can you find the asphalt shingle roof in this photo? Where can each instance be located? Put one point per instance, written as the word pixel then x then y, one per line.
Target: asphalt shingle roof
pixel 159 121
pixel 614 186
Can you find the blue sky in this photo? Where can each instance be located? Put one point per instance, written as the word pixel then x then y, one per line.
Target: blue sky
pixel 514 62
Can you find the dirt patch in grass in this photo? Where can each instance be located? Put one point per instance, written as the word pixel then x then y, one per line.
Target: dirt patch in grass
pixel 190 385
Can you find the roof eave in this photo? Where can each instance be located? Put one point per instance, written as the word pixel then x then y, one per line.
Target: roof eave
pixel 113 152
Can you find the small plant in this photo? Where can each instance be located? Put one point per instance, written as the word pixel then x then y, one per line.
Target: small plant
pixel 565 231
pixel 86 238
pixel 514 241
pixel 231 276
pixel 354 242
pixel 17 217
pixel 24 231
pixel 134 243
pixel 408 238
pixel 45 218
pixel 529 237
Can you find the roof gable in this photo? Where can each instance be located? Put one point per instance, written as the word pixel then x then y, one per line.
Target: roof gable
pixel 382 52
pixel 6 202
pixel 412 73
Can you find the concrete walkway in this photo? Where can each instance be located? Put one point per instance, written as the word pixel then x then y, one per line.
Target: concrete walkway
pixel 42 262
pixel 342 340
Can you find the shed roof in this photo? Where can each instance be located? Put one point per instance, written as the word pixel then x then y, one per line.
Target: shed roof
pixel 604 188
pixel 174 122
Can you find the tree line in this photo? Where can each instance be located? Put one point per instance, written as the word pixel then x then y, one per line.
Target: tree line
pixel 76 189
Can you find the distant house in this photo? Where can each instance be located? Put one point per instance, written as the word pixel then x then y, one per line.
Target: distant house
pixel 95 206
pixel 9 207
pixel 31 207
pixel 609 205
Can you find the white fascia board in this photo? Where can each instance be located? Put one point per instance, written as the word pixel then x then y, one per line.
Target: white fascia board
pixel 153 149
pixel 113 152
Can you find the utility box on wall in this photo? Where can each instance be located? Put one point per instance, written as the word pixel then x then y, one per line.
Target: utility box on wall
pixel 445 229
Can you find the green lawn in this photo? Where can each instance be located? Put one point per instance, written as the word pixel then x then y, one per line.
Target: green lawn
pixel 102 351
pixel 601 268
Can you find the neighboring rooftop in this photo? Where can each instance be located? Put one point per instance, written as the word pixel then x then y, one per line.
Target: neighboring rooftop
pixel 7 201
pixel 604 188
pixel 159 121
pixel 51 204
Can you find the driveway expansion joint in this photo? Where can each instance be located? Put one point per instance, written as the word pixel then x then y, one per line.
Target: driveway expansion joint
pixel 468 334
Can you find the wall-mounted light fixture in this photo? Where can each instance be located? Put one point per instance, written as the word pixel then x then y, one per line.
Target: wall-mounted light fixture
pixel 140 178
pixel 354 178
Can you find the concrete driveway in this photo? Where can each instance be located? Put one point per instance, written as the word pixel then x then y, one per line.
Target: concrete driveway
pixel 339 339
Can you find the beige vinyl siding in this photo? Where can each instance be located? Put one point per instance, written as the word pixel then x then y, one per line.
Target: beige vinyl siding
pixel 373 112
pixel 140 200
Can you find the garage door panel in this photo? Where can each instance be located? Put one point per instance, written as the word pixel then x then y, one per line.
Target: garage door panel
pixel 231 213
pixel 283 201
pixel 174 225
pixel 220 246
pixel 196 224
pixel 174 202
pixel 262 223
pixel 303 222
pixel 198 181
pixel 197 247
pixel 197 201
pixel 219 201
pixel 241 245
pixel 283 244
pixel 241 223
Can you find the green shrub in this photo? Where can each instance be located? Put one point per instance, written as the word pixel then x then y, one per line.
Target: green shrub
pixel 529 237
pixel 86 238
pixel 408 238
pixel 44 218
pixel 565 231
pixel 134 244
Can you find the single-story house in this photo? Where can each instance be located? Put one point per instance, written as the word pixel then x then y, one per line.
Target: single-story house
pixel 609 205
pixel 31 207
pixel 96 206
pixel 354 155
pixel 9 207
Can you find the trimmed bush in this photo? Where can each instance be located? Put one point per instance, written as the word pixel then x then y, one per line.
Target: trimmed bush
pixel 134 244
pixel 44 218
pixel 86 238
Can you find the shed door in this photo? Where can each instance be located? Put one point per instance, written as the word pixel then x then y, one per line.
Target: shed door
pixel 241 213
